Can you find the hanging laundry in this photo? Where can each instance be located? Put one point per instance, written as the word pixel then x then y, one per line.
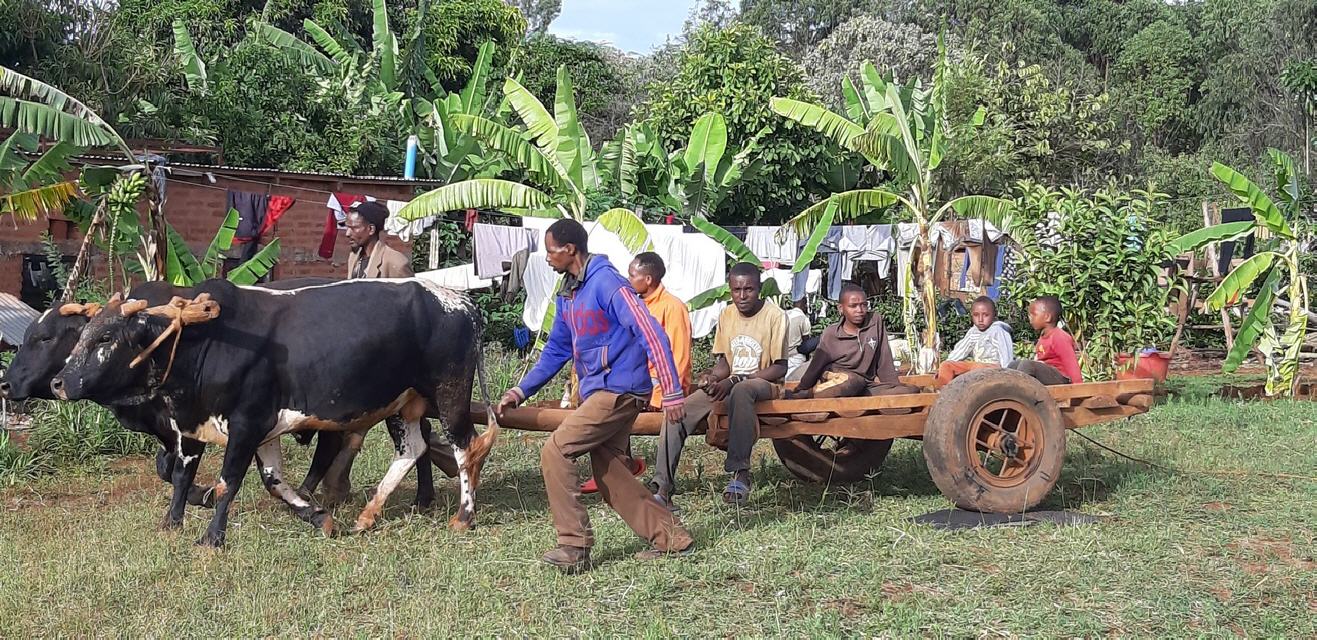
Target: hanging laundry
pixel 512 283
pixel 773 245
pixel 831 249
pixel 337 218
pixel 459 278
pixel 1227 250
pixel 251 209
pixel 279 205
pixel 495 244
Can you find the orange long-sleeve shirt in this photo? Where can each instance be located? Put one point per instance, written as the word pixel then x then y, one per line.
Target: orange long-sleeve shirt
pixel 671 314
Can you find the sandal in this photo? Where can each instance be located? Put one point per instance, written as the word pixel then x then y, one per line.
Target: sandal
pixel 737 492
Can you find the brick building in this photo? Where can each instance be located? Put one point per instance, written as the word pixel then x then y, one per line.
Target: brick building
pixel 195 206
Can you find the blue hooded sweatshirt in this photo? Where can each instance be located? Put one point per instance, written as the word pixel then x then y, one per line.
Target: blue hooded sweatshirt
pixel 602 325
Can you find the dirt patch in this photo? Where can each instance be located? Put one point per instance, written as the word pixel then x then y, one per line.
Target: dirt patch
pixel 127 479
pixel 902 591
pixel 1216 506
pixel 846 607
pixel 1272 551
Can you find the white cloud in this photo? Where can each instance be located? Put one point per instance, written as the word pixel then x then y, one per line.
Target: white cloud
pixel 584 34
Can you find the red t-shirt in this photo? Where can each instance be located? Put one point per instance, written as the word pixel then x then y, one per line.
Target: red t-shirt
pixel 1057 348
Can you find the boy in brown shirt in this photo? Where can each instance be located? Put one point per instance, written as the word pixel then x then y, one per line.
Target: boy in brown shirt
pixel 853 357
pixel 751 346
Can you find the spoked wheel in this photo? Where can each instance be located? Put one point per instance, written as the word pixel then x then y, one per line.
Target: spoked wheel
pixel 1004 441
pixel 995 441
pixel 828 459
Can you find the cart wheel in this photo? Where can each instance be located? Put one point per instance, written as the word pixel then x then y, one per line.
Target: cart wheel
pixel 826 459
pixel 994 441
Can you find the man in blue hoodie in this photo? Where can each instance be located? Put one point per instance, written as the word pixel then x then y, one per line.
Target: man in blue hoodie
pixel 603 327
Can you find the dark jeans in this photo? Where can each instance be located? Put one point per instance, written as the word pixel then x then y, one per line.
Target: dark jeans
pixel 1041 371
pixel 742 430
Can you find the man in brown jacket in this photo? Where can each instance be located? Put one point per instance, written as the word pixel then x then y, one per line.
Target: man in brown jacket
pixel 370 257
pixel 853 357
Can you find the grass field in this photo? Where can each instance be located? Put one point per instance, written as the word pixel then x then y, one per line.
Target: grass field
pixel 1178 555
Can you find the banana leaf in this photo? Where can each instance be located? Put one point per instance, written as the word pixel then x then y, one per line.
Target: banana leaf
pixel 573 145
pixel 722 293
pixel 473 94
pixel 481 193
pixel 1195 240
pixel 539 124
pixel 850 205
pixel 222 242
pixel 251 271
pixel 994 210
pixel 731 244
pixel 182 268
pixel 1263 208
pixel 194 68
pixel 384 44
pixel 628 227
pixel 1287 176
pixel 336 52
pixel 1291 343
pixel 37 107
pixel 296 49
pixel 1237 282
pixel 1258 318
pixel 838 129
pixel 856 108
pixel 544 168
pixel 815 239
pixel 708 143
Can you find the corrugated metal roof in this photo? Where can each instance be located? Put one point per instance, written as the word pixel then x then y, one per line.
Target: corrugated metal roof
pixel 226 169
pixel 15 316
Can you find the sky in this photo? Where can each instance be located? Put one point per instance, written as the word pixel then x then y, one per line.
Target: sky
pixel 630 25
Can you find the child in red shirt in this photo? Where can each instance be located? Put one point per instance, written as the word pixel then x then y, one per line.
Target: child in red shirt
pixel 1057 362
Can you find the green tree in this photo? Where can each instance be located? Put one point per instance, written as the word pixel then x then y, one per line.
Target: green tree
pixel 597 80
pixel 798 25
pixel 539 14
pixel 735 72
pixel 903 50
pixel 1154 81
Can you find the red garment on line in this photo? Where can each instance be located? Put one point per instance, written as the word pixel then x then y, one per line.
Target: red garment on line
pixel 330 237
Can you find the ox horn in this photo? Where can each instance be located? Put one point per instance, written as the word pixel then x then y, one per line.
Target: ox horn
pixel 89 309
pixel 132 306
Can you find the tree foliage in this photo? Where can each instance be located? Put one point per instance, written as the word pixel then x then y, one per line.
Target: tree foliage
pixel 736 72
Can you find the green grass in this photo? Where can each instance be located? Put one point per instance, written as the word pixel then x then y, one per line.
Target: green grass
pixel 1178 555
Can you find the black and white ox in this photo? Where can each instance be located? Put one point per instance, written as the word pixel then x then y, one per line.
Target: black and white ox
pixel 46 348
pixel 334 357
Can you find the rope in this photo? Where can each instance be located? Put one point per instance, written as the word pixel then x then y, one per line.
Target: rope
pixel 1172 470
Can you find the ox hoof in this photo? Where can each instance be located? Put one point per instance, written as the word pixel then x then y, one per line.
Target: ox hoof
pixel 201 496
pixel 325 522
pixel 463 521
pixel 363 524
pixel 208 541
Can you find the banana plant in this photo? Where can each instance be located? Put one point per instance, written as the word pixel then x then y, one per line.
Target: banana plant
pixel 32 106
pixel 902 130
pixel 552 150
pixel 1277 322
pixel 184 269
pixel 31 188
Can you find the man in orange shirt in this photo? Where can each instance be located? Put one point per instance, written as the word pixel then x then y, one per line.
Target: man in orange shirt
pixel 646 275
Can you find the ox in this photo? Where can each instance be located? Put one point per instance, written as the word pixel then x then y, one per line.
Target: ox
pixel 335 357
pixel 49 342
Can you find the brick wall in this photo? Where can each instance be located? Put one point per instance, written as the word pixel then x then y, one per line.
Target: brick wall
pixel 195 207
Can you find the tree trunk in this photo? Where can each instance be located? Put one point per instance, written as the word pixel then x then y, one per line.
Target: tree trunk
pixel 80 263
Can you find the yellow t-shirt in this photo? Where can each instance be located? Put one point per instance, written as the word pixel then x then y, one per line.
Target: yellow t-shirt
pixel 753 343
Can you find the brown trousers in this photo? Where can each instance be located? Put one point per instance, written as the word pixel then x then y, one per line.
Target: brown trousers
pixel 601 427
pixel 948 371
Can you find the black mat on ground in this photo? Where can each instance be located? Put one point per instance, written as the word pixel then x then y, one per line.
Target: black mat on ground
pixel 957 519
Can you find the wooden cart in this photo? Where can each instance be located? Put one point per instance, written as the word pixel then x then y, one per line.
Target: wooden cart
pixel 994 439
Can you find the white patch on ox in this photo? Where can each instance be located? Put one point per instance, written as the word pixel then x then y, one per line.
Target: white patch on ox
pixel 215 430
pixel 468 504
pixel 413 447
pixel 271 457
pixel 287 421
pixel 187 460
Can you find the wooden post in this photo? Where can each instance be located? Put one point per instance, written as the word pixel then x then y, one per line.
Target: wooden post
pixel 1208 220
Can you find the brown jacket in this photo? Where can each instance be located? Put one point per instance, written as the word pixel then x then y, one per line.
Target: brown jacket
pixel 385 262
pixel 867 355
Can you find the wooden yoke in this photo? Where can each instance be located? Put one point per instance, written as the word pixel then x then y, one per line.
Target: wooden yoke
pixel 180 312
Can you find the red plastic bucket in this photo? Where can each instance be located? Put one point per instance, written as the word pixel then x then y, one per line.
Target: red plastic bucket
pixel 1155 365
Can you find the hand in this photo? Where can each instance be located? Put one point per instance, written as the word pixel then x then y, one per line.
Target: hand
pixel 719 390
pixel 508 401
pixel 704 381
pixel 675 413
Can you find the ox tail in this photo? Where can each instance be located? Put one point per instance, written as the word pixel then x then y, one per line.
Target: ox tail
pixel 480 447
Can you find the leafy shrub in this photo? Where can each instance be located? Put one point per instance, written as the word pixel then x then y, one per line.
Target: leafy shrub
pixel 16 464
pixel 1105 266
pixel 72 433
